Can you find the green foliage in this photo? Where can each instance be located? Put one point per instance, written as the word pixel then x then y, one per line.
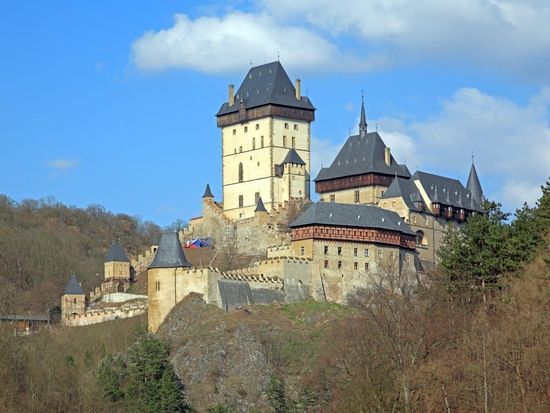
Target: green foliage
pixel 111 375
pixel 276 395
pixel 147 381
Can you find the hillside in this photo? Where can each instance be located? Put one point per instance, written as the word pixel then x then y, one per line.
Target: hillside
pixel 43 242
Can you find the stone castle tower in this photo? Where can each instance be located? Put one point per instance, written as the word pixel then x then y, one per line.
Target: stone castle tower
pixel 163 275
pixel 117 264
pixel 265 142
pixel 73 300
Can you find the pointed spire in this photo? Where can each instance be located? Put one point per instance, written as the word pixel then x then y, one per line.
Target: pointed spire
pixel 207 192
pixel 474 186
pixel 363 119
pixel 73 286
pixel 170 254
pixel 260 207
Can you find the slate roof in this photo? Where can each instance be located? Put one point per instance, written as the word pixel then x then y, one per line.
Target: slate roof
pixel 350 215
pixel 207 192
pixel 73 286
pixel 474 186
pixel 406 189
pixel 169 253
pixel 447 191
pixel 260 207
pixel 263 85
pixel 362 154
pixel 116 253
pixel 293 158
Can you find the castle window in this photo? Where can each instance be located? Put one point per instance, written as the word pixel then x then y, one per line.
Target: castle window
pixel 333 198
pixel 326 263
pixel 262 141
pixel 245 129
pixel 256 197
pixel 293 142
pixel 302 250
pixel 286 125
pixel 326 249
pixel 366 252
pixel 257 126
pixel 355 252
pixel 339 264
pixel 420 238
pixel 253 143
pixel 380 254
pixel 339 250
pixel 393 204
pixel 366 266
pixel 241 172
pixel 240 148
pixel 391 255
pixel 355 265
pixel 241 201
pixel 157 286
pixel 356 196
pixel 284 141
pixel 234 131
pixel 381 193
pixel 295 127
pixel 74 301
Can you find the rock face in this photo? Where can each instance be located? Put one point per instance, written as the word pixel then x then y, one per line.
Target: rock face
pixel 230 357
pixel 219 361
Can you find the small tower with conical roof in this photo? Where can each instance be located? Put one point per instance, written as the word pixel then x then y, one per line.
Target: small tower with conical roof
pixel 260 213
pixel 73 300
pixel 474 186
pixel 117 264
pixel 163 275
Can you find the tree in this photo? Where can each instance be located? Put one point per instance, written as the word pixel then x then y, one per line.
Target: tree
pixel 110 376
pixel 276 395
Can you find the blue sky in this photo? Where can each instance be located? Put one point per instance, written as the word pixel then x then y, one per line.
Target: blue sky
pixel 113 102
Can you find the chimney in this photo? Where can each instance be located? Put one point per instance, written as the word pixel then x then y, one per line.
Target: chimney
pixel 298 89
pixel 387 156
pixel 231 95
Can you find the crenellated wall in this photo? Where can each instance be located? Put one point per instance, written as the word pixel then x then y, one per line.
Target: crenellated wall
pixel 106 314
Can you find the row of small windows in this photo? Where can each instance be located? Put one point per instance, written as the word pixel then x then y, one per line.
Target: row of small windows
pixel 257 127
pixel 293 143
pixel 339 265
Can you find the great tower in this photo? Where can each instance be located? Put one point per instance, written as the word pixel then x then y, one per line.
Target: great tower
pixel 266 142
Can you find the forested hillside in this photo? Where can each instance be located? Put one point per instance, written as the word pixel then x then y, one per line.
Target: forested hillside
pixel 43 242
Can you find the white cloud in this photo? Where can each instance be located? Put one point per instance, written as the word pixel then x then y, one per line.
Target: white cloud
pixel 511 142
pixel 62 165
pixel 508 34
pixel 229 43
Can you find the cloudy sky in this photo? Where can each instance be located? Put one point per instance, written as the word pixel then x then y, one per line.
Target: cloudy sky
pixel 113 102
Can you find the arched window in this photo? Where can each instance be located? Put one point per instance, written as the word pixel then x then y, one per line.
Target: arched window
pixel 420 239
pixel 253 143
pixel 293 142
pixel 240 172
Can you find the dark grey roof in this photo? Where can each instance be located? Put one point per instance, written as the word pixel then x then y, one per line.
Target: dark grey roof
pixel 293 158
pixel 116 253
pixel 207 192
pixel 446 191
pixel 406 189
pixel 169 253
pixel 361 155
pixel 260 207
pixel 474 186
pixel 73 286
pixel 350 215
pixel 263 85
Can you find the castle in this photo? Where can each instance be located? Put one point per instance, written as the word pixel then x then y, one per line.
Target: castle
pixel 373 216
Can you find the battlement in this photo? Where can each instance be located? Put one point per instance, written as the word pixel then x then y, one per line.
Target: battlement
pixel 95 316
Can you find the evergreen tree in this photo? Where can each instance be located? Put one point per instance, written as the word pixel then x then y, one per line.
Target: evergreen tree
pixel 276 395
pixel 542 210
pixel 111 375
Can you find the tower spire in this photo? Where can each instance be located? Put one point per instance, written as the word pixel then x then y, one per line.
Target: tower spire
pixel 363 119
